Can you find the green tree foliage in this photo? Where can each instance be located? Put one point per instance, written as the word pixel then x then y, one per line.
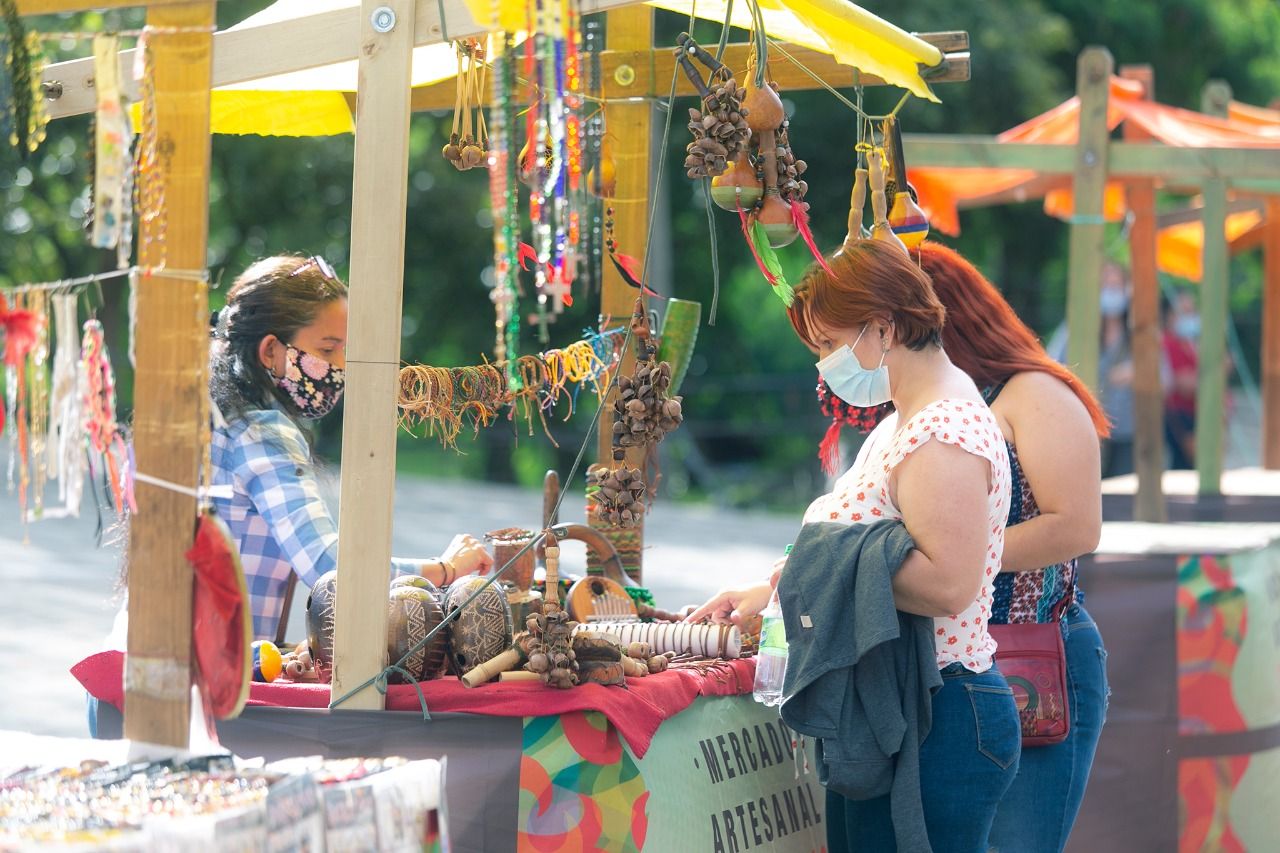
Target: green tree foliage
pixel 752 424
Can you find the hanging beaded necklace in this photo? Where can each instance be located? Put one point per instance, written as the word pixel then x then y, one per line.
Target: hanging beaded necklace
pixel 505 198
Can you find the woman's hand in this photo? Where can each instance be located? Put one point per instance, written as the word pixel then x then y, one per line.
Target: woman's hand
pixel 467 556
pixel 734 606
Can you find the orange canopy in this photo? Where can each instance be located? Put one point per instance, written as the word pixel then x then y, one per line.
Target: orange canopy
pixel 943 191
pixel 1264 121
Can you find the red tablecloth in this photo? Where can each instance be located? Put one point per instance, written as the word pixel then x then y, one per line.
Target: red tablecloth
pixel 636 710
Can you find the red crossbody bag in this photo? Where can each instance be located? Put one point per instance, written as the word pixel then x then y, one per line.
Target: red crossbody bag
pixel 1033 660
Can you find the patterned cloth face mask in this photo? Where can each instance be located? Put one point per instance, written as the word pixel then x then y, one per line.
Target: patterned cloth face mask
pixel 314 385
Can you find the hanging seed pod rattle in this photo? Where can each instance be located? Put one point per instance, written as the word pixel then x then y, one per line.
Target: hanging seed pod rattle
pixel 475 149
pixel 644 412
pixel 617 494
pixel 551 652
pixel 468 142
pixel 720 130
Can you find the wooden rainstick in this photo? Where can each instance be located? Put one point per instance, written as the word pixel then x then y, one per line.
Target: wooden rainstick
pixel 513 658
pixel 369 421
pixel 169 408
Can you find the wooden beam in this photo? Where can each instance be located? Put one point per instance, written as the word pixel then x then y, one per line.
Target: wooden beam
pixel 950 41
pixel 1211 389
pixel 1148 391
pixel 653 73
pixel 1194 214
pixel 1183 166
pixel 1271 337
pixel 170 389
pixel 295 45
pixel 1093 76
pixel 369 420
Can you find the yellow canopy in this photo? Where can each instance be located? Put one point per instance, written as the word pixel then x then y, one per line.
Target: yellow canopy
pixel 312 102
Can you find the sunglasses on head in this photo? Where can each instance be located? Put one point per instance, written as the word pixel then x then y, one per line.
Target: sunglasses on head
pixel 320 264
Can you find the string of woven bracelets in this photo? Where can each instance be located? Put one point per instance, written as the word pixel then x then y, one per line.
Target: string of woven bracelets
pixel 445 399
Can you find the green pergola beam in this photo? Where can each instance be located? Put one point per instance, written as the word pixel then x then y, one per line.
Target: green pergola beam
pixel 1259 169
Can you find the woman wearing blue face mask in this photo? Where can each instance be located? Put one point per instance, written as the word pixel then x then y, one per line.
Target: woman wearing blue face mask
pixel 876 325
pixel 278 359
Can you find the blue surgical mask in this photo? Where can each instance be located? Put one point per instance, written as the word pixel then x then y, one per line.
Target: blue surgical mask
pixel 853 383
pixel 1186 326
pixel 1113 302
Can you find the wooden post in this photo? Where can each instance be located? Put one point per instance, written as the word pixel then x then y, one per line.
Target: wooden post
pixel 628 117
pixel 1093 87
pixel 630 127
pixel 1148 393
pixel 369 419
pixel 1271 336
pixel 1212 386
pixel 171 386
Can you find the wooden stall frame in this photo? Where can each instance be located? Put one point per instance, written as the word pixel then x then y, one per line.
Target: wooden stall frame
pixel 378 235
pixel 172 347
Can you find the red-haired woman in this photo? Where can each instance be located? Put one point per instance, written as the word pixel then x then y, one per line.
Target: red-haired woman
pixel 1051 423
pixel 876 324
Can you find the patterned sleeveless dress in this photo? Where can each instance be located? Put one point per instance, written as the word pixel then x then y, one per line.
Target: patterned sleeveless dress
pixel 1027 596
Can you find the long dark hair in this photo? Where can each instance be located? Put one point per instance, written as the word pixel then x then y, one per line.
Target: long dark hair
pixel 276 296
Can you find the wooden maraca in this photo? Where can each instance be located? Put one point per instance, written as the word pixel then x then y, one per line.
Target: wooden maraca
pixel 880 228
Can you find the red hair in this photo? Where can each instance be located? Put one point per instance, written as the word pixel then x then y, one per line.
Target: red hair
pixel 867 280
pixel 984 337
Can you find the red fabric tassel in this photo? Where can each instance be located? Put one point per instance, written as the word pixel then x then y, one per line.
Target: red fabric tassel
pixel 829 449
pixel 801 219
pixel 19 333
pixel 746 233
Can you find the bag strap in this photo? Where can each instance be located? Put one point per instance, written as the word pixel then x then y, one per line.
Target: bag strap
pixel 1060 609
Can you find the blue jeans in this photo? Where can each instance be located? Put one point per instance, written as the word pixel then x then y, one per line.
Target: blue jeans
pixel 967 763
pixel 1041 806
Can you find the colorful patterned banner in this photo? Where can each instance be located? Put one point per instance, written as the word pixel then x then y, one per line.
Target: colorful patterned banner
pixel 723 775
pixel 1229 683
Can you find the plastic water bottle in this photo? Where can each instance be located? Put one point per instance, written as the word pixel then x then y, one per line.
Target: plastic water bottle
pixel 771 660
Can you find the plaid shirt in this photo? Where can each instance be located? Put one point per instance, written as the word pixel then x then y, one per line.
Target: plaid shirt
pixel 276 513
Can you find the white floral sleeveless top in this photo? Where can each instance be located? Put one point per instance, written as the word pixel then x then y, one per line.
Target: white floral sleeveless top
pixel 861 496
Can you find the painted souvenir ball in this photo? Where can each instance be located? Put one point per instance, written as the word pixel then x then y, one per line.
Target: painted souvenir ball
pixel 483 628
pixel 412 612
pixel 321 611
pixel 267 662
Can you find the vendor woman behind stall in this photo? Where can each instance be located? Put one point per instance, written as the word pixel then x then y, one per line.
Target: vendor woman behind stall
pixel 278 361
